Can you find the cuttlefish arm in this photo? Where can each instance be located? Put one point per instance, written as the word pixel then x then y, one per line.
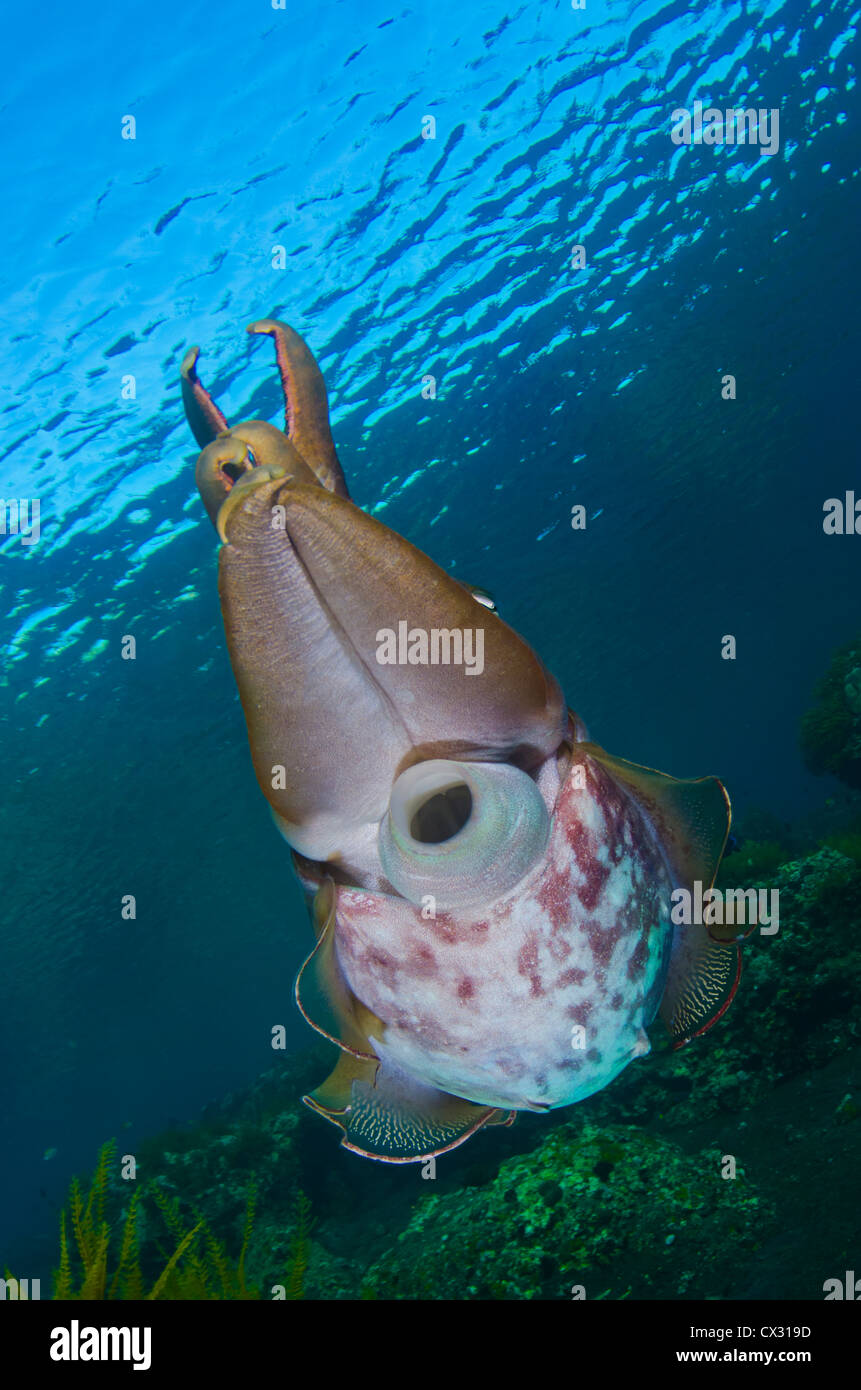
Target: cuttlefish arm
pixel 201 412
pixel 304 452
pixel 306 406
pixel 306 403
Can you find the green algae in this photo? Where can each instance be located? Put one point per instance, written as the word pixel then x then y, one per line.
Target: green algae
pixel 591 1209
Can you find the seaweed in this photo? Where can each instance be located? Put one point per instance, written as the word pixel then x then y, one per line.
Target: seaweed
pixel 300 1248
pixel 196 1267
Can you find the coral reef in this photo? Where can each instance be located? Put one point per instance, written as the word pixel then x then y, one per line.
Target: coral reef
pixel 831 732
pixel 596 1213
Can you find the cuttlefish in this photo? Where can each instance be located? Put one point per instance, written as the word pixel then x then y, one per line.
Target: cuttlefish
pixel 490 891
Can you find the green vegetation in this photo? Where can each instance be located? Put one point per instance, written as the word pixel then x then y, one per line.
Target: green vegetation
pixel 846 842
pixel 101 1260
pixel 300 1249
pixel 831 732
pixel 602 1210
pixel 752 866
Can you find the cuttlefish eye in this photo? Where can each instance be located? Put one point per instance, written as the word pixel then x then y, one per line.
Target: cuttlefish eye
pixel 461 833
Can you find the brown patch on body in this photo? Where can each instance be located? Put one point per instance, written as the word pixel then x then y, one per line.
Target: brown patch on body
pixel 422 963
pixel 603 941
pixel 573 976
pixel 580 1012
pixel 527 964
pixel 590 892
pixel 554 896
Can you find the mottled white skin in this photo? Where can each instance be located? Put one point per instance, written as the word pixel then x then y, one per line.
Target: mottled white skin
pixel 482 1003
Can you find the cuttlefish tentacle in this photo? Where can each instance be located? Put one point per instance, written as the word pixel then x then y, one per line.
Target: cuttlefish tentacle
pixel 306 403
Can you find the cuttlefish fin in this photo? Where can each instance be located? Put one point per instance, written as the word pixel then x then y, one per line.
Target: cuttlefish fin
pixel 701 983
pixel 387 1115
pixel 323 995
pixel 691 820
pixel 382 1112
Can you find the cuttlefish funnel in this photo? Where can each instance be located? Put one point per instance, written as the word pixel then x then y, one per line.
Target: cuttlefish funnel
pixel 462 834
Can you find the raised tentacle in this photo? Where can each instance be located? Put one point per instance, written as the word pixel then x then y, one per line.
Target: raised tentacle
pixel 306 404
pixel 201 412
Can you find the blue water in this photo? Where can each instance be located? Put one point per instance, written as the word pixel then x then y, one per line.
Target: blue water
pixel 301 128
